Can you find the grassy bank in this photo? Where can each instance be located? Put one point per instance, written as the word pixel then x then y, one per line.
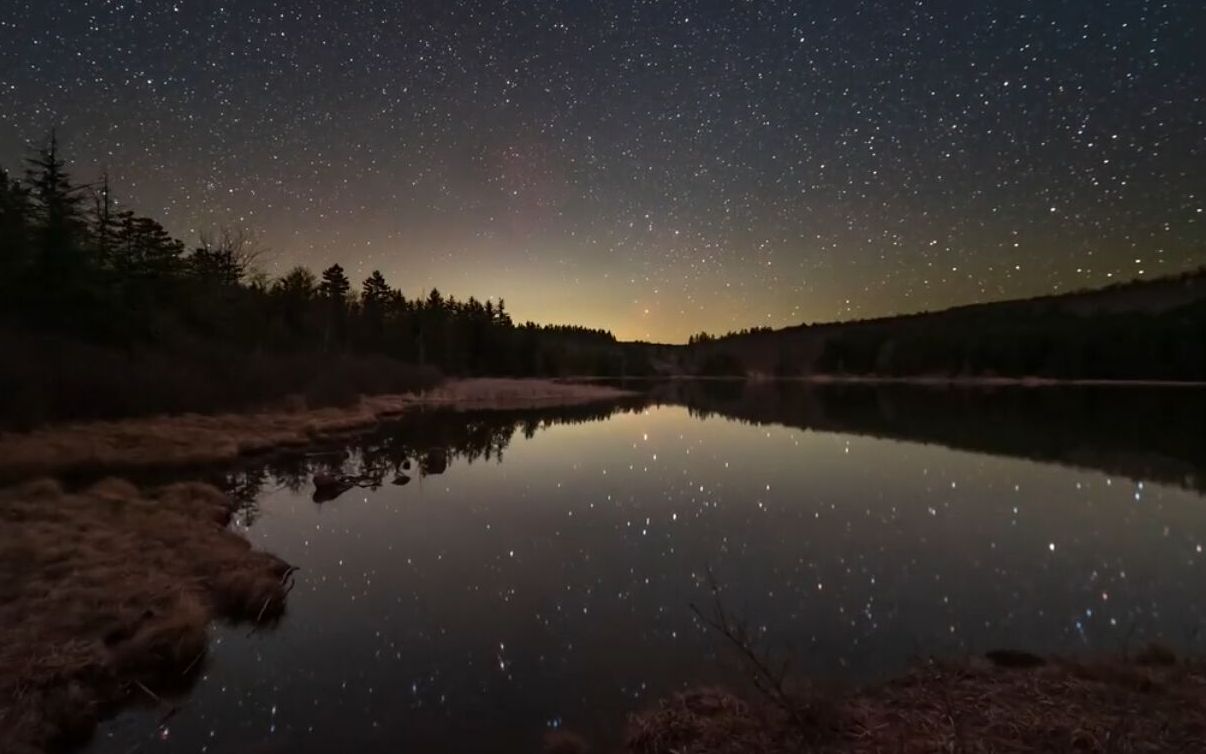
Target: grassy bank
pixel 106 594
pixel 192 439
pixel 1150 703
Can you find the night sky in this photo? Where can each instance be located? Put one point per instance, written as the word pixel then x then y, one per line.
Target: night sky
pixel 655 168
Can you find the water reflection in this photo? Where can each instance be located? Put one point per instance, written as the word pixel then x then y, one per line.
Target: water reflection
pixel 537 569
pixel 422 445
pixel 1144 433
pixel 1152 434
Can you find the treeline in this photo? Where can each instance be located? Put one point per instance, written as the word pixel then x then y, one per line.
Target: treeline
pixel 704 338
pixel 81 275
pixel 1143 330
pixel 1055 344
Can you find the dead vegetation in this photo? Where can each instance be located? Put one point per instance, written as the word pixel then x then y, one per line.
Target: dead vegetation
pixel 106 594
pixel 1006 701
pixel 1109 706
pixel 192 439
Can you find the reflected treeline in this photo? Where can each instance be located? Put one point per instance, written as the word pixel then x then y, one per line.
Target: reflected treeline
pixel 1144 433
pixel 419 444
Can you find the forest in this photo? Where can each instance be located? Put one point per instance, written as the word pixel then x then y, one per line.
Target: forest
pixel 1165 345
pixel 1152 330
pixel 164 327
pixel 104 313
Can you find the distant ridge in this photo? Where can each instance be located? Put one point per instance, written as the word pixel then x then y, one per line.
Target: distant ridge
pixel 1144 329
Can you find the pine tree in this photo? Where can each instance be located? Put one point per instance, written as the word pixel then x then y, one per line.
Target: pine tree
pixel 334 290
pixel 63 274
pixel 375 289
pixel 335 286
pixel 15 242
pixel 374 298
pixel 56 200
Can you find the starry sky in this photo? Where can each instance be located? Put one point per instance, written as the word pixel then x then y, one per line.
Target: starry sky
pixel 656 168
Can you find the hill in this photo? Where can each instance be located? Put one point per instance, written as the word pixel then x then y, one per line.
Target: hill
pixel 1149 330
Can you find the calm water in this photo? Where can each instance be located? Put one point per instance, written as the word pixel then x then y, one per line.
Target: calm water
pixel 539 573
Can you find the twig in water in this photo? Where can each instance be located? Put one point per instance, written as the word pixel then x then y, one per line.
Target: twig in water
pixel 148 692
pixel 288 572
pixel 769 680
pixel 263 607
pixel 195 660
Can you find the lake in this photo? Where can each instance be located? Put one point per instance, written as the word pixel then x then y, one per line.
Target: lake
pixel 531 571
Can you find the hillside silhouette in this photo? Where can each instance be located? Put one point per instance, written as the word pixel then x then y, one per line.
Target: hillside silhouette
pixel 1142 330
pixel 109 315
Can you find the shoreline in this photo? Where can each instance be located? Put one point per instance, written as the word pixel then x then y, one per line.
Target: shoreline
pixel 110 590
pixel 936 381
pixel 108 597
pixel 187 440
pixel 918 381
pixel 1003 701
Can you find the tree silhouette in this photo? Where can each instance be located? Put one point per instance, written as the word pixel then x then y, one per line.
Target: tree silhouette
pixel 16 247
pixel 62 273
pixel 224 258
pixel 97 276
pixel 105 225
pixel 374 299
pixel 294 294
pixel 334 290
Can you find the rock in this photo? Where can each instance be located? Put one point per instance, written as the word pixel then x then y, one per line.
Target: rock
pixel 401 480
pixel 326 480
pixel 328 486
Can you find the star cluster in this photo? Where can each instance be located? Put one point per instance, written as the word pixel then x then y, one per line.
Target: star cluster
pixel 656 168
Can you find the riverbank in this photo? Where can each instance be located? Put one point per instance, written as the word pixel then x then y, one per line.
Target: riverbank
pixel 1150 703
pixel 106 596
pixel 194 439
pixel 935 381
pixel 942 381
pixel 106 593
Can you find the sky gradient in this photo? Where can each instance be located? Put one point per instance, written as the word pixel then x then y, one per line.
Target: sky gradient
pixel 653 168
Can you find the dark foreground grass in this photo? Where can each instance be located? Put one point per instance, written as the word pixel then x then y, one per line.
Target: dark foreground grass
pixel 1152 703
pixel 105 596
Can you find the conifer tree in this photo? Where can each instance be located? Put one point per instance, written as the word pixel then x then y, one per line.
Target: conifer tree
pixel 374 298
pixel 15 242
pixel 62 274
pixel 334 290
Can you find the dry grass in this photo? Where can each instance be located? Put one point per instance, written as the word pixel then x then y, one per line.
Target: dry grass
pixel 106 594
pixel 708 720
pixel 193 439
pixel 1110 706
pixel 502 393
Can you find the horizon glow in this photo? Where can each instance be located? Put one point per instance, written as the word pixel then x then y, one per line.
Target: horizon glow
pixel 655 169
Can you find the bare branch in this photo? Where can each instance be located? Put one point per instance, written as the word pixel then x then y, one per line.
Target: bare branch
pixel 769 677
